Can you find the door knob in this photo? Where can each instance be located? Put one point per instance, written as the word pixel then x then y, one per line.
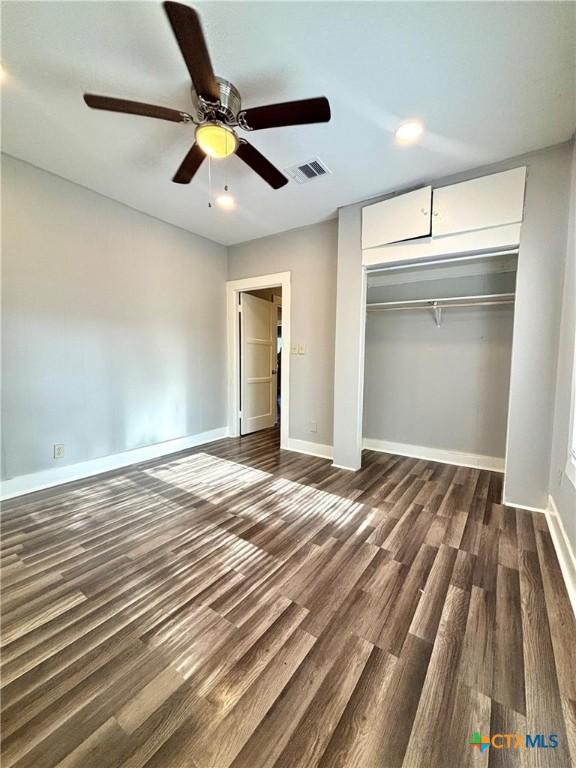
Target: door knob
pixel 273 372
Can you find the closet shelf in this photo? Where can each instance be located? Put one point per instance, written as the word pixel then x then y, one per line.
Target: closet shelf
pixel 438 304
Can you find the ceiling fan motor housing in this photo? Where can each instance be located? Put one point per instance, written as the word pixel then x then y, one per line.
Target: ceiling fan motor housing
pixel 228 108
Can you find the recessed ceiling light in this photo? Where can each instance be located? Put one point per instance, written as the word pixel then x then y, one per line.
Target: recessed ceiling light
pixel 409 132
pixel 226 201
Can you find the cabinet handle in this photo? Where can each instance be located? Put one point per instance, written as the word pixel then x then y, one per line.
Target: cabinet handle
pixel 424 211
pixel 434 213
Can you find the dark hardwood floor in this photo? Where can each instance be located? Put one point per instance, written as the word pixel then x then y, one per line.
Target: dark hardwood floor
pixel 237 605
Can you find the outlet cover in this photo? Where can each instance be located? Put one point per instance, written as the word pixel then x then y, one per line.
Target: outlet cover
pixel 58 450
pixel 313 426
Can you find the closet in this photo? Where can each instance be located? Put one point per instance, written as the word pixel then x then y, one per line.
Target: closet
pixel 440 268
pixel 437 357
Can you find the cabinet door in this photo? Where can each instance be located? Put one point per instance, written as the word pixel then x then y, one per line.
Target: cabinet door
pixel 398 218
pixel 491 201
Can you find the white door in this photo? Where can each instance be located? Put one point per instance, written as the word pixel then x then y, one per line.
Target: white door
pixel 257 364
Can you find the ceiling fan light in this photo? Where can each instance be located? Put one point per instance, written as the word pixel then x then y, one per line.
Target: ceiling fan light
pixel 216 140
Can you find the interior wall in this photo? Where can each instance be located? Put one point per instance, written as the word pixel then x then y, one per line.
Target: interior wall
pixel 561 487
pixel 439 387
pixel 349 343
pixel 541 261
pixel 114 325
pixel 309 254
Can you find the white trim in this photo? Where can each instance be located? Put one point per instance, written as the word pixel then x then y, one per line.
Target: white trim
pixel 348 469
pixel 358 437
pixel 311 449
pixel 564 552
pixel 475 242
pixel 474 460
pixel 233 288
pixel 570 470
pixel 508 503
pixel 17 486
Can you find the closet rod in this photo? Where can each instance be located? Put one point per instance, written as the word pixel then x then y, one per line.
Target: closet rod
pixel 449 301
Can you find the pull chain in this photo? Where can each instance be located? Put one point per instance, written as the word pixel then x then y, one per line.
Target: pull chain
pixel 209 182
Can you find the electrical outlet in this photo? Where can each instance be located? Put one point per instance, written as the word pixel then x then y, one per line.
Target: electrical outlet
pixel 313 426
pixel 58 451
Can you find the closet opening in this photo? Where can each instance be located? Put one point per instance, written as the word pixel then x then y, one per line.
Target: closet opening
pixel 437 359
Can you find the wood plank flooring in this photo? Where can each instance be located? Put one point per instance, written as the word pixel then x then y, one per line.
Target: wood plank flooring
pixel 245 607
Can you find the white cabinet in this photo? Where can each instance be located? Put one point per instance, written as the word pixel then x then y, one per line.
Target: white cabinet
pixel 490 201
pixel 469 217
pixel 399 218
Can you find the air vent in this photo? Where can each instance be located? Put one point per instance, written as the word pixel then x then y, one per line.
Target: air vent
pixel 305 172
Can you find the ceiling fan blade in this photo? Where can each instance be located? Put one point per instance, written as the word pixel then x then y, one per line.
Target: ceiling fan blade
pixel 136 108
pixel 261 165
pixel 189 165
pixel 286 113
pixel 187 29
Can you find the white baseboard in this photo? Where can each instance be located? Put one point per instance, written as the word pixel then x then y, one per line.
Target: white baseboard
pixel 349 469
pixel 564 551
pixel 474 460
pixel 509 503
pixel 312 449
pixel 48 478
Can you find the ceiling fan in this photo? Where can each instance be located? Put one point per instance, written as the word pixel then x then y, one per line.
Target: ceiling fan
pixel 218 107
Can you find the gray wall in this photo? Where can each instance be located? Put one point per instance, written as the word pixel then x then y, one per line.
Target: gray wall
pixel 536 322
pixel 114 327
pixel 561 488
pixel 443 387
pixel 309 254
pixel 349 351
pixel 541 261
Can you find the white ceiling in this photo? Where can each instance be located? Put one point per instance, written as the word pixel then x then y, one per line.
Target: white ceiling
pixel 489 79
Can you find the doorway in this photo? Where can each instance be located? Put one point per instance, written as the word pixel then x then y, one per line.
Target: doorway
pixel 260 330
pixel 259 355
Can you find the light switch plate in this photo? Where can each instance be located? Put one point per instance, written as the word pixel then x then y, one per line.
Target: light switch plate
pixel 294 348
pixel 301 349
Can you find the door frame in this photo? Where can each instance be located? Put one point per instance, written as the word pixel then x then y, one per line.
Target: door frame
pixel 233 290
